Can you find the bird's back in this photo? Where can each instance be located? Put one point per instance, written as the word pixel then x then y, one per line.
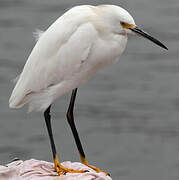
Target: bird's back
pixel 34 76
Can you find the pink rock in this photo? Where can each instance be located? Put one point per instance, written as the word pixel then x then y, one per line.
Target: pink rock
pixel 41 170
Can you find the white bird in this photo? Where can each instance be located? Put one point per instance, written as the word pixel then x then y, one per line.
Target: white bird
pixel 82 41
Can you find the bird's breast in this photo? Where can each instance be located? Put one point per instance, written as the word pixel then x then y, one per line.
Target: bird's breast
pixel 104 52
pixel 107 50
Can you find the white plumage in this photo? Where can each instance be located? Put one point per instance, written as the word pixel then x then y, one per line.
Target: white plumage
pixel 78 44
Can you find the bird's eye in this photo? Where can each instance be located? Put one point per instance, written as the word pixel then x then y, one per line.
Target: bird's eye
pixel 126 25
pixel 122 24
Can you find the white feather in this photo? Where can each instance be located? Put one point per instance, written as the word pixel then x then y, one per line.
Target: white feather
pixel 37 34
pixel 70 51
pixel 15 79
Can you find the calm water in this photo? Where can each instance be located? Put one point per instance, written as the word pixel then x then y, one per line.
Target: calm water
pixel 128 115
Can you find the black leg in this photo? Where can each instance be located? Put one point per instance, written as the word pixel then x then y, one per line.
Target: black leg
pixel 47 117
pixel 61 170
pixel 71 122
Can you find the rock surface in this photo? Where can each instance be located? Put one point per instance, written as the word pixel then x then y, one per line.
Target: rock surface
pixel 37 170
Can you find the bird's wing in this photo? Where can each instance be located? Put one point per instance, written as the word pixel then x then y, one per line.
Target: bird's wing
pixel 57 55
pixel 63 59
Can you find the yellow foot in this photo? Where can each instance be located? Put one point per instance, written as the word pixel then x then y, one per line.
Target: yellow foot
pixel 96 169
pixel 85 162
pixel 61 170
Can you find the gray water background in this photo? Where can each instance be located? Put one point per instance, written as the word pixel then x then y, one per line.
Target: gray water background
pixel 127 115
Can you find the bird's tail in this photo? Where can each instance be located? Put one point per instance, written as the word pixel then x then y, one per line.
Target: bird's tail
pixel 20 95
pixel 38 101
pixel 18 99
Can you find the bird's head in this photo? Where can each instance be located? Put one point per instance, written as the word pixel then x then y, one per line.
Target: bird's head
pixel 123 23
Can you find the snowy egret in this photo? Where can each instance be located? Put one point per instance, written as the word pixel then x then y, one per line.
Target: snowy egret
pixel 78 44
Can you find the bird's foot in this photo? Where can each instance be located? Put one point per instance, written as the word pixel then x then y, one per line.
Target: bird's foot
pixel 61 170
pixel 97 169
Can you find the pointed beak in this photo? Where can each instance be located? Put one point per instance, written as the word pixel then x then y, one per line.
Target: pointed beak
pixel 146 35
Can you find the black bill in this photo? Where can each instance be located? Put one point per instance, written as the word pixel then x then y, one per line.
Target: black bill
pixel 144 34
